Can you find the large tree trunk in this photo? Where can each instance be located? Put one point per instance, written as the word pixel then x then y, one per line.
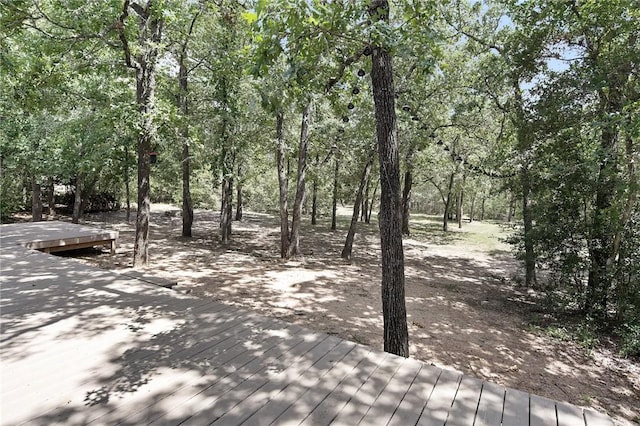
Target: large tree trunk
pixel 36 200
pixel 144 61
pixel 51 198
pixel 348 244
pixel 294 237
pixel 396 333
pixel 183 105
pixel 281 160
pixel 334 201
pixel 77 201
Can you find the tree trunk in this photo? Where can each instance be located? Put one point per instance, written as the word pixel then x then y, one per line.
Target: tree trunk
pixel 127 178
pixel 512 202
pixel 314 198
pixel 226 209
pixel 373 200
pixel 281 160
pixel 294 237
pixel 365 203
pixel 460 201
pixel 482 208
pixel 348 244
pixel 145 65
pixel 183 105
pixel 239 200
pixel 602 239
pixel 473 208
pixel 406 199
pixel 396 334
pixel 77 201
pixel 527 215
pixel 36 200
pixel 447 203
pixel 51 198
pixel 334 205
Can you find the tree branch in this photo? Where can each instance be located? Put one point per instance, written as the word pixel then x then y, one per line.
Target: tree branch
pixel 123 38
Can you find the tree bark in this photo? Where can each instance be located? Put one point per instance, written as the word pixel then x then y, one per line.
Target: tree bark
pixel 183 106
pixel 303 147
pixel 36 200
pixel 144 61
pixel 77 201
pixel 281 160
pixel 348 244
pixel 396 334
pixel 226 209
pixel 484 199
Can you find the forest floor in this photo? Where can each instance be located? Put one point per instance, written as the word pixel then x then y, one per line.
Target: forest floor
pixel 465 309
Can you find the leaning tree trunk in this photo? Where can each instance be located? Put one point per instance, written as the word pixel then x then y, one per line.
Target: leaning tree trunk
pixel 36 200
pixel 294 237
pixel 348 244
pixel 281 160
pixel 334 201
pixel 396 333
pixel 373 200
pixel 314 198
pixel 226 209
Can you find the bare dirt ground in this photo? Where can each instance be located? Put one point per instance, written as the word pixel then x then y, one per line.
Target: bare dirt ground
pixel 464 310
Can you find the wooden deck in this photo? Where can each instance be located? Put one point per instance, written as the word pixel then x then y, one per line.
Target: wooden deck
pixel 81 345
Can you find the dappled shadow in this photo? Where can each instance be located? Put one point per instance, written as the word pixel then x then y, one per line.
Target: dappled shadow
pixel 464 312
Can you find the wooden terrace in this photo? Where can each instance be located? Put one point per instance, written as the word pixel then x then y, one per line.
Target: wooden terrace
pixel 81 345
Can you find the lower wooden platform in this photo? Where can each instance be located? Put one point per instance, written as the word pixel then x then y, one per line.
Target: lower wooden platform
pixel 80 345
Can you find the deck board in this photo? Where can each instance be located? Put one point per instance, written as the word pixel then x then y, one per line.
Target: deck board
pixel 81 345
pixel 465 406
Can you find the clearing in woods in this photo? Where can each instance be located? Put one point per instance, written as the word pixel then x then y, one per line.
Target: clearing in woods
pixel 465 309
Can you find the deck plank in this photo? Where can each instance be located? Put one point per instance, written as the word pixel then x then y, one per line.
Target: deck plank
pixel 542 411
pixel 437 409
pixel 465 406
pixel 569 415
pixel 594 418
pixel 490 405
pixel 389 399
pixel 516 408
pixel 416 398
